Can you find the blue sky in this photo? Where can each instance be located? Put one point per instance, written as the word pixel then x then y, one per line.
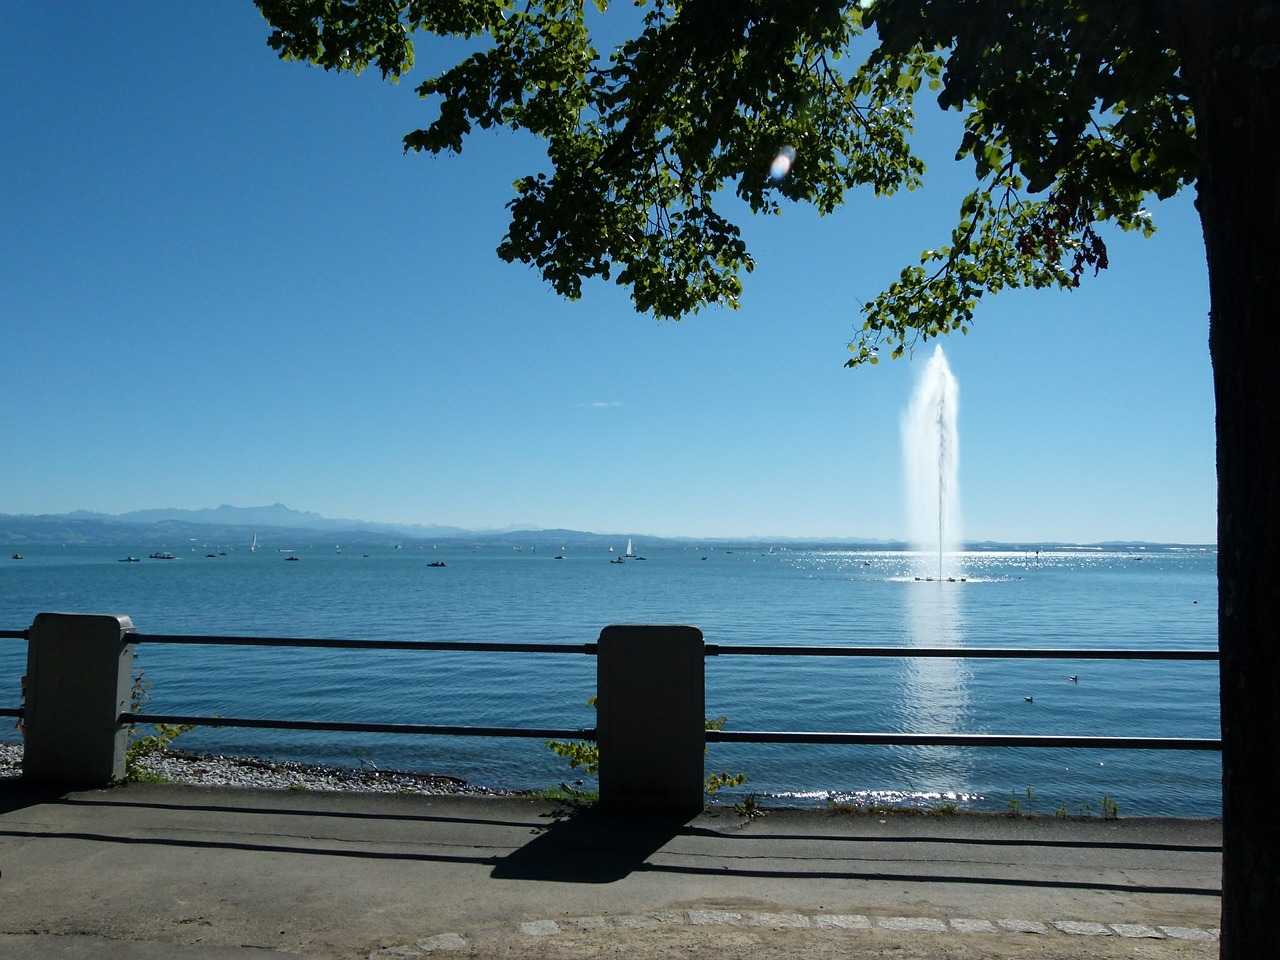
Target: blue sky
pixel 223 282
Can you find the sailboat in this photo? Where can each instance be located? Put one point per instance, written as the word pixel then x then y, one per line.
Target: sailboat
pixel 253 547
pixel 630 552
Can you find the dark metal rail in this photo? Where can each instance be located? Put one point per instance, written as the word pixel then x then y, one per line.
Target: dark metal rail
pixel 962 740
pixel 958 653
pixel 457 645
pixel 543 733
pixel 712 650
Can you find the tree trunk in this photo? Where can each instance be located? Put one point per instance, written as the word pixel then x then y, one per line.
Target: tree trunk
pixel 1232 63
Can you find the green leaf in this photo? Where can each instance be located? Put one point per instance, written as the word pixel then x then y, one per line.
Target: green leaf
pixel 658 125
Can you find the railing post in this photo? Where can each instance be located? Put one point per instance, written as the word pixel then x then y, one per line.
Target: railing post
pixel 650 713
pixel 79 678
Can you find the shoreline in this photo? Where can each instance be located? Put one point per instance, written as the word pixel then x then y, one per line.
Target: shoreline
pixel 257 773
pixel 212 770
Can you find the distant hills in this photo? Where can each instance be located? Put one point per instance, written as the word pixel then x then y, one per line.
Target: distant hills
pixel 277 525
pixel 276 516
pixel 274 525
pixel 224 525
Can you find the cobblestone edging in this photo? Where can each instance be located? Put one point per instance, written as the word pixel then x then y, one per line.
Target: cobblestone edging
pixel 447 942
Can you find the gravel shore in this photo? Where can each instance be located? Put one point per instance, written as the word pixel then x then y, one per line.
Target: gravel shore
pixel 217 771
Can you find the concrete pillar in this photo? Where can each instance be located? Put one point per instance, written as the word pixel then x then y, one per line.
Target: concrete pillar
pixel 79 681
pixel 650 714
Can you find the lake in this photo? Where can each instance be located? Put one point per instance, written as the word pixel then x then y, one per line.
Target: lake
pixel 1151 599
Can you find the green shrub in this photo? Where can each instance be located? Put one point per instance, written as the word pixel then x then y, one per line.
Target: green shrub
pixel 584 755
pixel 141 746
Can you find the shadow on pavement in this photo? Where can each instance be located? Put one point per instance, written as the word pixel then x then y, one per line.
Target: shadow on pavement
pixel 589 847
pixel 18 794
pixel 585 846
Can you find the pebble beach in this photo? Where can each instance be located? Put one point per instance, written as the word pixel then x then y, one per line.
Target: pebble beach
pixel 252 772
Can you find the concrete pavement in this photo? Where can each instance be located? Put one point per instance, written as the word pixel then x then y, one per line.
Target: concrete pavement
pixel 157 871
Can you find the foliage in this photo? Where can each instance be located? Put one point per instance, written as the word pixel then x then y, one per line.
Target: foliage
pixel 715 782
pixel 1013 806
pixel 748 808
pixel 584 755
pixel 658 120
pixel 566 792
pixel 1108 809
pixel 140 745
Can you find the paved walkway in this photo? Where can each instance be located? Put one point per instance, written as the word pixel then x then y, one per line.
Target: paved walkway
pixel 164 871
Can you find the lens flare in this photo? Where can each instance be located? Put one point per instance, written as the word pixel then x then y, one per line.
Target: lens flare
pixel 781 165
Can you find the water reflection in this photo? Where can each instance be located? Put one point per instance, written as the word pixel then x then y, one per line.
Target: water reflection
pixel 935 692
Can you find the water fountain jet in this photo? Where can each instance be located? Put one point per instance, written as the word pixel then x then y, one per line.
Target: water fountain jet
pixel 935 694
pixel 931 456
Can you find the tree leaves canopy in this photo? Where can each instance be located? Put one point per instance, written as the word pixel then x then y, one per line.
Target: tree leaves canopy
pixel 1074 113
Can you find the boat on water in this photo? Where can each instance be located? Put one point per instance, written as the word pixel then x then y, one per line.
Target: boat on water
pixel 436 563
pixel 16 556
pixel 253 547
pixel 128 559
pixel 291 557
pixel 618 560
pixel 162 555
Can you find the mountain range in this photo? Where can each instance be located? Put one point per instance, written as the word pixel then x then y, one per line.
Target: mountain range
pixel 145 530
pixel 228 525
pixel 221 525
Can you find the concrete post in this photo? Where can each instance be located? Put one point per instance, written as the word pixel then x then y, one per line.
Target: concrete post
pixel 79 681
pixel 650 714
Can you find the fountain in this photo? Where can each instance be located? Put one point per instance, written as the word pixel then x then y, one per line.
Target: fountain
pixel 935 693
pixel 931 455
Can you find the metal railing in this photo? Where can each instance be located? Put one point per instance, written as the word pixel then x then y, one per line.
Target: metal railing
pixel 962 739
pixel 423 729
pixel 711 650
